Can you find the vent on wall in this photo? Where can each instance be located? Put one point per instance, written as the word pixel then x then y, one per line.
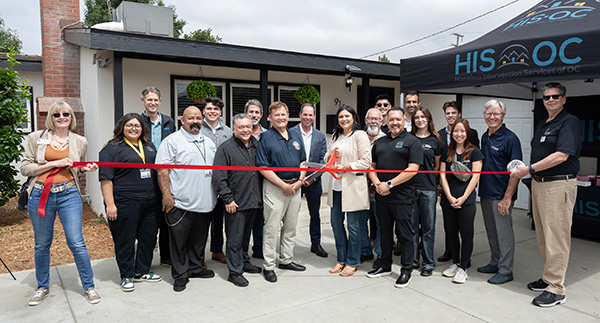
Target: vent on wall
pixel 144 18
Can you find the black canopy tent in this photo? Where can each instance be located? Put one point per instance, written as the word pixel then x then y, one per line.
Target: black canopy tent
pixel 554 40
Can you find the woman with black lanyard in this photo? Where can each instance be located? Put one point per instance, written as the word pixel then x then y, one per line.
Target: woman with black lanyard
pixel 131 199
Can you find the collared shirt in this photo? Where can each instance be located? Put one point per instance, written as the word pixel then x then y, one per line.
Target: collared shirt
pixel 217 135
pixel 379 135
pixel 192 189
pixel 563 133
pixel 276 151
pixel 262 130
pixel 157 131
pixel 397 153
pixel 407 124
pixel 243 187
pixel 499 149
pixel 307 139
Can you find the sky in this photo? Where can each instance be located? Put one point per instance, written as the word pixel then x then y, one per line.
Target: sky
pixel 350 28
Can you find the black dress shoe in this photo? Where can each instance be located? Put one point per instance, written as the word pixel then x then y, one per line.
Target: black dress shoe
pixel 445 257
pixel 238 280
pixel 270 276
pixel 316 248
pixel 426 272
pixel 251 269
pixel 403 280
pixel 206 273
pixel 258 255
pixel 379 272
pixel 292 266
pixel 179 284
pixel 364 258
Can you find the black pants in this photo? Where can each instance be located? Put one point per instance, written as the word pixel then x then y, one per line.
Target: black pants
pixel 257 231
pixel 136 220
pixel 238 227
pixel 163 239
pixel 188 232
pixel 388 213
pixel 216 228
pixel 459 221
pixel 313 200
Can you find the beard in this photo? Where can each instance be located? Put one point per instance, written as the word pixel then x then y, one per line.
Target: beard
pixel 255 122
pixel 373 130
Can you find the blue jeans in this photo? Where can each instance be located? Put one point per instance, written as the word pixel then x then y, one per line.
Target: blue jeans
pixel 424 213
pixel 377 243
pixel 365 240
pixel 68 205
pixel 347 246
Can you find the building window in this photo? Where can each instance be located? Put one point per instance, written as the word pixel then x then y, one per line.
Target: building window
pixel 182 102
pixel 241 93
pixel 28 126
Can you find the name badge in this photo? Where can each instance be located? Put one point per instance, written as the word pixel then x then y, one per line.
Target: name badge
pixel 543 139
pixel 145 173
pixel 43 142
pixel 208 173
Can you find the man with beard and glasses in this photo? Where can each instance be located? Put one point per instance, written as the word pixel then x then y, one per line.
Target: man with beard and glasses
pixel 373 120
pixel 402 151
pixel 188 197
pixel 254 109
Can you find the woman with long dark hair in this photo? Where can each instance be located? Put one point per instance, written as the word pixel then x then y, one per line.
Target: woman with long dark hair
pixel 348 197
pixel 425 189
pixel 458 200
pixel 48 161
pixel 132 200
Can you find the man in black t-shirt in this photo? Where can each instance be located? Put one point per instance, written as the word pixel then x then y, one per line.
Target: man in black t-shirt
pixel 555 149
pixel 398 150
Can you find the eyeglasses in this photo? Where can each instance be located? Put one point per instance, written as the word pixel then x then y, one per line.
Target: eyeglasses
pixel 373 119
pixel 385 105
pixel 133 126
pixel 489 114
pixel 64 114
pixel 553 96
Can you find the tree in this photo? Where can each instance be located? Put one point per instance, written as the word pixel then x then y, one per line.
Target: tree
pixel 9 39
pixel 12 114
pixel 96 11
pixel 203 35
pixel 384 59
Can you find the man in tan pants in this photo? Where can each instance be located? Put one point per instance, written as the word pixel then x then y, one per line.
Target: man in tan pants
pixel 555 150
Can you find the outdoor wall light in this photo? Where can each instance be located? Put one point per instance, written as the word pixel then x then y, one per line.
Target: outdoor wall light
pixel 349 81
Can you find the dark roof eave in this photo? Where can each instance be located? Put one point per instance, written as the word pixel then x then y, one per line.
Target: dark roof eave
pixel 175 49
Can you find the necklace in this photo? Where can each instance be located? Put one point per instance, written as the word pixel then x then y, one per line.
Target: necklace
pixel 58 144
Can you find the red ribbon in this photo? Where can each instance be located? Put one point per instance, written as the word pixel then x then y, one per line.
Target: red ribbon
pixel 46 191
pixel 257 168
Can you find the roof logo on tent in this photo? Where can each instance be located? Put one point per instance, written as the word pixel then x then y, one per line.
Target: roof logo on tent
pixel 552 11
pixel 514 55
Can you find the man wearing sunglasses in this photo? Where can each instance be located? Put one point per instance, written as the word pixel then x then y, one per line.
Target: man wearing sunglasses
pixel 555 149
pixel 382 103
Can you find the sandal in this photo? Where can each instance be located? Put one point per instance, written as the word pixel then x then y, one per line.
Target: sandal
pixel 337 268
pixel 348 271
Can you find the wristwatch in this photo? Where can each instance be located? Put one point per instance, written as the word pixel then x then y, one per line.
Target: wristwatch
pixel 389 184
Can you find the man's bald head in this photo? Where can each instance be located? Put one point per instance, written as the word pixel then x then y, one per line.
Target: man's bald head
pixel 192 119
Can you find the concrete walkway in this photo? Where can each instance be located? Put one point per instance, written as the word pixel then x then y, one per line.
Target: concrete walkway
pixel 317 296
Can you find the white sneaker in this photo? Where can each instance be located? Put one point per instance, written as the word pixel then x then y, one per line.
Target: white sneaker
pixel 39 296
pixel 451 271
pixel 460 277
pixel 92 296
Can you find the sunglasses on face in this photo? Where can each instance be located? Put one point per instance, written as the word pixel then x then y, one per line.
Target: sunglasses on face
pixel 385 105
pixel 64 114
pixel 553 96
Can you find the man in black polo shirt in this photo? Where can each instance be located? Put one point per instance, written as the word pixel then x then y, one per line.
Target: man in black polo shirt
pixel 398 150
pixel 279 147
pixel 555 149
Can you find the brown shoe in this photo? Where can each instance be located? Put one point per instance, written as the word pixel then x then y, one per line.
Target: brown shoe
pixel 336 269
pixel 219 256
pixel 348 271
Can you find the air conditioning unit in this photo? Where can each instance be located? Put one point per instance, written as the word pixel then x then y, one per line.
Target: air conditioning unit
pixel 144 18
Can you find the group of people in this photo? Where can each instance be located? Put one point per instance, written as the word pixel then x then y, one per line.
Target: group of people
pixel 386 175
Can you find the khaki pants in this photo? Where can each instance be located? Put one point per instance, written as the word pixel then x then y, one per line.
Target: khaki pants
pixel 552 205
pixel 281 212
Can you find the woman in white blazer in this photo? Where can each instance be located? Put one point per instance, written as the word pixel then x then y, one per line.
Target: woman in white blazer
pixel 349 196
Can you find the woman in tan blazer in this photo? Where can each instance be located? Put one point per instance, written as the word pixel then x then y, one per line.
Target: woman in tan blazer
pixel 48 160
pixel 348 197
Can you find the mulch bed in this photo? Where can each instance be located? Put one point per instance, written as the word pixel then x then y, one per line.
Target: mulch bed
pixel 17 243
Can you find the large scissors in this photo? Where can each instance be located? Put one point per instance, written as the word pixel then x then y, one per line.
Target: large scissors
pixel 328 167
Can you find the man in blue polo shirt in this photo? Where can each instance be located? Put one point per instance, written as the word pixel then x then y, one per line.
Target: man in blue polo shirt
pixel 499 146
pixel 555 149
pixel 279 147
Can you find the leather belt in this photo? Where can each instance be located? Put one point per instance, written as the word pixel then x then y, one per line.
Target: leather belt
pixel 543 179
pixel 290 181
pixel 57 187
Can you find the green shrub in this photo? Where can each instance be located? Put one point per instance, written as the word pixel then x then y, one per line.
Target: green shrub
pixel 307 93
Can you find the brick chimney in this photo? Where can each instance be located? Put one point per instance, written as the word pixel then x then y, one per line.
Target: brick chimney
pixel 60 60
